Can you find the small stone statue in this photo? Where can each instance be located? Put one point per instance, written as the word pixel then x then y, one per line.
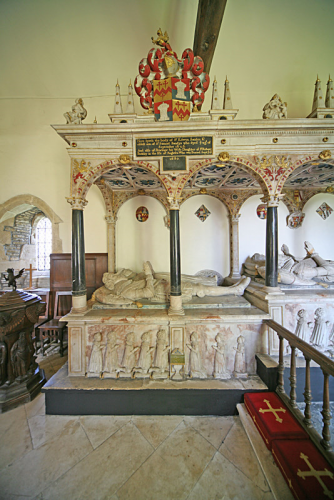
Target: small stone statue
pixel 111 366
pixel 144 360
pixel 95 361
pixel 160 367
pixel 11 278
pixel 219 370
pixel 77 114
pixel 20 354
pixel 129 357
pixel 240 361
pixel 319 333
pixel 195 363
pixel 275 108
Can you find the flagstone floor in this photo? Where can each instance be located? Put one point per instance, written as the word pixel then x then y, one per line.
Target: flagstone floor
pixel 117 458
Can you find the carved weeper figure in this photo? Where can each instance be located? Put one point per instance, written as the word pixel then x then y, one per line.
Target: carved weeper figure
pixel 275 108
pixel 95 361
pixel 20 354
pixel 144 360
pixel 160 367
pixel 219 370
pixel 319 334
pixel 77 114
pixel 195 363
pixel 302 326
pixel 111 366
pixel 129 356
pixel 240 361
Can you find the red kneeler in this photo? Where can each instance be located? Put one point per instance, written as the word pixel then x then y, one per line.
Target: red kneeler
pixel 307 473
pixel 272 418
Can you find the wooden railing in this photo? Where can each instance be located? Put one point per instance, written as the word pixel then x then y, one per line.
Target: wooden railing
pixel 327 366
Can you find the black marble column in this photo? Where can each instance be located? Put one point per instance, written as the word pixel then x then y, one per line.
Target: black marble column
pixel 271 247
pixel 175 260
pixel 78 254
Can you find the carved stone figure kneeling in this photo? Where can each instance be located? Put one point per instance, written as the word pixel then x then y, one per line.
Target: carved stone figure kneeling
pixel 160 366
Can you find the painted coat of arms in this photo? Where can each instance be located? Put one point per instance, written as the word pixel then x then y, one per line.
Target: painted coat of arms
pixel 170 87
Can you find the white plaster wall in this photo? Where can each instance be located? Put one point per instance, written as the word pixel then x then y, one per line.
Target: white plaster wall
pixel 204 245
pixel 95 223
pixel 137 241
pixel 252 230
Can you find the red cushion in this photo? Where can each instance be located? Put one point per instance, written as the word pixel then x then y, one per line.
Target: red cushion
pixel 301 464
pixel 279 424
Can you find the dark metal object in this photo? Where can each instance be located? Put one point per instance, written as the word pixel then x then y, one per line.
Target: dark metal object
pixel 11 278
pixel 209 18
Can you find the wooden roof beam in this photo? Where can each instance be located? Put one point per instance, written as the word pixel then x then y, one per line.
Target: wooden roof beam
pixel 209 18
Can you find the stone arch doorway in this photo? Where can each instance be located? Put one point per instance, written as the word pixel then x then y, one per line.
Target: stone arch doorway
pixel 18 216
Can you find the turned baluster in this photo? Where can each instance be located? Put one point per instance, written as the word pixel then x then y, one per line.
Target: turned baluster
pixel 307 394
pixel 326 415
pixel 293 378
pixel 280 385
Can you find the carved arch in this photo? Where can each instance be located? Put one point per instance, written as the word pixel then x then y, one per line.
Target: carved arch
pixel 245 163
pixel 29 199
pixel 82 181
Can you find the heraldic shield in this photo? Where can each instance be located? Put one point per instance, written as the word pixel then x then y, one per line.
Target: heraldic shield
pixel 171 98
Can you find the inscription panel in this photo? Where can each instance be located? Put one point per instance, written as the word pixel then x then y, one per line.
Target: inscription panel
pixel 174 146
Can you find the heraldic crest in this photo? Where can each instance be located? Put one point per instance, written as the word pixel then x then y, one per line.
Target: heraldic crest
pixel 168 86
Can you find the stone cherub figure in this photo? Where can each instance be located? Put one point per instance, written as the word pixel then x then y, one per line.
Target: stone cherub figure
pixel 111 365
pixel 240 360
pixel 196 369
pixel 145 358
pixel 160 365
pixel 219 369
pixel 275 108
pixel 126 287
pixel 77 114
pixel 95 360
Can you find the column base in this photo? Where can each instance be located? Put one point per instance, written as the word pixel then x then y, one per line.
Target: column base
pixel 79 303
pixel 175 306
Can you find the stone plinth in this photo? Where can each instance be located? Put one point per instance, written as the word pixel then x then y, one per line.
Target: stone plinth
pixel 20 376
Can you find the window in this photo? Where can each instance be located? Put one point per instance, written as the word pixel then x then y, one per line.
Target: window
pixel 43 244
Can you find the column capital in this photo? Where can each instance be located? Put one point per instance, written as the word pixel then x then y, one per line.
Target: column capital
pixel 174 204
pixel 111 219
pixel 77 203
pixel 272 200
pixel 234 218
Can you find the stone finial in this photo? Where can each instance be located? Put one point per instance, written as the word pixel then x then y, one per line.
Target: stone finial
pixel 329 103
pixel 118 101
pixel 318 101
pixel 215 103
pixel 227 96
pixel 275 108
pixel 130 107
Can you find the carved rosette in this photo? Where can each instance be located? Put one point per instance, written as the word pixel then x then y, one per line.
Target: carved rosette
pixel 77 203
